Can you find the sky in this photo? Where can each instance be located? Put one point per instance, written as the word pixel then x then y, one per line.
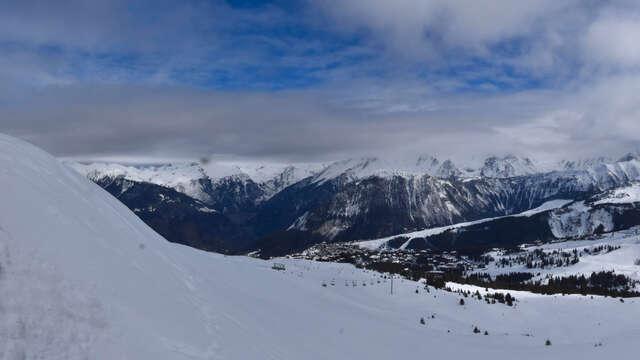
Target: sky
pixel 297 81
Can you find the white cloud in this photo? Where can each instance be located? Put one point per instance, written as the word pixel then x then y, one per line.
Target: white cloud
pixel 426 28
pixel 584 52
pixel 550 130
pixel 546 38
pixel 613 41
pixel 599 118
pixel 321 125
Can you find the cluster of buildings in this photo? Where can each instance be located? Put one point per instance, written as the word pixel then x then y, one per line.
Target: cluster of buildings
pixel 410 263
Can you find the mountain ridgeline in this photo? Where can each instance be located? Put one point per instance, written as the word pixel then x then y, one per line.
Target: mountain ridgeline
pixel 349 200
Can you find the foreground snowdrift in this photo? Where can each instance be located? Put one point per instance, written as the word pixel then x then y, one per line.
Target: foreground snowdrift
pixel 82 278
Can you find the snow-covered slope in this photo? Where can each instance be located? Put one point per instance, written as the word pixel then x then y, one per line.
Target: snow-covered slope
pixel 623 195
pixel 285 176
pixel 625 259
pixel 580 219
pixel 378 243
pixel 83 278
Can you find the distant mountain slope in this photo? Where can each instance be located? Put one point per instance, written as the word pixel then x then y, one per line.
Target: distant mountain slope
pixel 187 178
pixel 370 197
pixel 198 180
pixel 83 278
pixel 180 218
pixel 392 241
pixel 609 211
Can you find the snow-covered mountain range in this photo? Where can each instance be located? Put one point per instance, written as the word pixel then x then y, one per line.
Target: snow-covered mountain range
pixel 83 278
pixel 287 207
pixel 185 177
pixel 191 178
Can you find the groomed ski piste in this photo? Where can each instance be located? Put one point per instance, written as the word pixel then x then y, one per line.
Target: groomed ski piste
pixel 81 277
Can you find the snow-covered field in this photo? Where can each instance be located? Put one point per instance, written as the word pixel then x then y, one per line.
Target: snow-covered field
pixel 81 277
pixel 625 260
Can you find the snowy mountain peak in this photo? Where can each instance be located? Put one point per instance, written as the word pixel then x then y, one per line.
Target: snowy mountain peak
pixel 427 162
pixel 288 176
pixel 184 177
pixel 430 165
pixel 507 166
pixel 168 174
pixel 629 157
pixel 189 177
pixel 359 168
pixel 353 168
pixel 586 163
pixel 447 169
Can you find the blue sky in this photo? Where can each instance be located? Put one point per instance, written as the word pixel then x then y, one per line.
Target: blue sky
pixel 256 45
pixel 321 79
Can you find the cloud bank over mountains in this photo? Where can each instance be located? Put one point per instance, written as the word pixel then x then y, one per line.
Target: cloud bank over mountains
pixel 322 80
